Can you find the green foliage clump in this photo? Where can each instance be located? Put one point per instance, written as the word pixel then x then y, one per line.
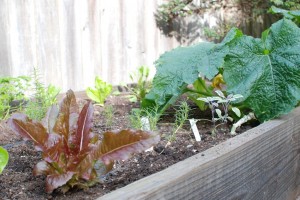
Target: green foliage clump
pixel 289 14
pixel 108 113
pixel 142 84
pixel 289 4
pixel 100 92
pixel 181 115
pixel 42 98
pixel 12 94
pixel 166 12
pixel 264 71
pixel 144 119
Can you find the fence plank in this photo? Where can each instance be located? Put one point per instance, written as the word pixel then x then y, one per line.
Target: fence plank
pixel 73 41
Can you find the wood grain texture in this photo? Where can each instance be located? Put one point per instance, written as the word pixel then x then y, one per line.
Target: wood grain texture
pixel 262 163
pixel 73 41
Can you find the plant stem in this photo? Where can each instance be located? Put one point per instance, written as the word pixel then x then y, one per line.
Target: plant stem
pixel 207 94
pixel 243 120
pixel 202 82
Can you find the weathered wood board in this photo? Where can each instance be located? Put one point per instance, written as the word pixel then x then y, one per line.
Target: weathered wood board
pixel 262 163
pixel 73 41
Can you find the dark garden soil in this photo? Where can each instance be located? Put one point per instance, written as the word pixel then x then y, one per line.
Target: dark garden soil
pixel 17 181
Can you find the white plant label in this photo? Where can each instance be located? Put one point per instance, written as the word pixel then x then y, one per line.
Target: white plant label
pixel 195 129
pixel 146 127
pixel 145 124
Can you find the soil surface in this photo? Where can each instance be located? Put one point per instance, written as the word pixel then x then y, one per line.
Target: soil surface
pixel 17 181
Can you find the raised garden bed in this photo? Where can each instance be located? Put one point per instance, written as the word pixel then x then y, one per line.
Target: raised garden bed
pixel 262 163
pixel 18 182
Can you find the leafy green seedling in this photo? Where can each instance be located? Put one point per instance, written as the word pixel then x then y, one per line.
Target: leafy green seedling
pixel 143 84
pixel 216 101
pixel 108 113
pixel 135 118
pixel 144 118
pixel 3 158
pixel 100 92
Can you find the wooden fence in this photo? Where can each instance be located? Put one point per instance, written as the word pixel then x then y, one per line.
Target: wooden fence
pixel 72 41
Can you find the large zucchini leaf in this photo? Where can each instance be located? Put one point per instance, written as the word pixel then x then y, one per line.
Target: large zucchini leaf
pixel 290 14
pixel 266 71
pixel 178 68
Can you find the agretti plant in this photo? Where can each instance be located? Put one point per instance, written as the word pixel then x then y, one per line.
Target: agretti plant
pixel 265 71
pixel 69 148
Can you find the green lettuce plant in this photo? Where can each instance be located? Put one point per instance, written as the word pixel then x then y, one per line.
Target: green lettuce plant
pixel 100 92
pixel 3 158
pixel 142 86
pixel 265 71
pixel 69 148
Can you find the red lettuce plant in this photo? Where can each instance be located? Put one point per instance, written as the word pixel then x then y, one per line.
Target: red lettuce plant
pixel 70 149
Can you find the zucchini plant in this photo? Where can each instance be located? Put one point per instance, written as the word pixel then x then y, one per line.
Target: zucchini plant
pixel 265 71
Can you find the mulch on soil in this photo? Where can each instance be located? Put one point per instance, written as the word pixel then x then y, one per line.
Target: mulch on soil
pixel 17 181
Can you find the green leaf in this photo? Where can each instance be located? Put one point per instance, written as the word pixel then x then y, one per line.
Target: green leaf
pixel 199 86
pixel 290 14
pixel 220 93
pixel 100 92
pixel 176 69
pixel 285 13
pixel 3 158
pixel 236 111
pixel 269 82
pixel 219 113
pixel 182 66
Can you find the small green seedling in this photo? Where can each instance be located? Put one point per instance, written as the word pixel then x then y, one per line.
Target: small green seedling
pixel 43 97
pixel 135 118
pixel 3 158
pixel 144 119
pixel 100 92
pixel 143 84
pixel 182 114
pixel 108 113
